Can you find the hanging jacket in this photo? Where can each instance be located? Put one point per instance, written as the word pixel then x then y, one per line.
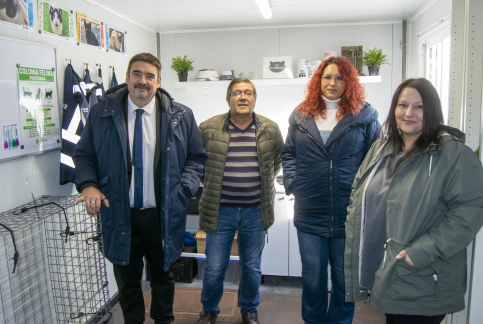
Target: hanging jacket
pixel 74 116
pixel 95 88
pixel 320 175
pixel 101 161
pixel 434 210
pixel 113 79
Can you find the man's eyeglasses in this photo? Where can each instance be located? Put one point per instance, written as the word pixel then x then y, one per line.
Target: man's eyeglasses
pixel 328 79
pixel 238 94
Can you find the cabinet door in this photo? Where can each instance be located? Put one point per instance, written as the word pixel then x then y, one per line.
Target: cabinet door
pixel 275 253
pixel 295 262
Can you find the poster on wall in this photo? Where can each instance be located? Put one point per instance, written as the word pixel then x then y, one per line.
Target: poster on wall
pixel 19 13
pixel 90 31
pixel 116 40
pixel 56 20
pixel 38 107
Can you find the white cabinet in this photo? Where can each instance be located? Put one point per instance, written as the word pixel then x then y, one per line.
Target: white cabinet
pixel 275 254
pixel 281 256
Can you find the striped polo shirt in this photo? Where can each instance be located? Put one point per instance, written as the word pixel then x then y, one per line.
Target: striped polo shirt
pixel 242 183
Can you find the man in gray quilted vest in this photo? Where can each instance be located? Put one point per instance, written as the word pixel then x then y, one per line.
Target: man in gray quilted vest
pixel 244 157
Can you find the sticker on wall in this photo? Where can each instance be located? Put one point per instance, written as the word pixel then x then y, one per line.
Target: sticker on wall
pixel 90 31
pixel 56 20
pixel 116 40
pixel 17 13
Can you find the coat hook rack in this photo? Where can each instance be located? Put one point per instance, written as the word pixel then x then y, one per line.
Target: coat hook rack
pixel 68 59
pixel 87 65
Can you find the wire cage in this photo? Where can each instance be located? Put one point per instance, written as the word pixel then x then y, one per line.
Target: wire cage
pixel 51 268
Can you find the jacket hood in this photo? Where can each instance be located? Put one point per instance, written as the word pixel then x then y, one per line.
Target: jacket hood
pixel 455 134
pixel 367 115
pixel 118 93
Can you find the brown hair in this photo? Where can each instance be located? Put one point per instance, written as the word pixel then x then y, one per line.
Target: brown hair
pixel 433 123
pixel 239 80
pixel 145 57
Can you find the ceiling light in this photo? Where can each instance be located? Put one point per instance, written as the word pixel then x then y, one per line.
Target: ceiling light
pixel 264 8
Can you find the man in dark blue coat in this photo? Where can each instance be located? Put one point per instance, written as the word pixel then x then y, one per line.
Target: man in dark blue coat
pixel 139 160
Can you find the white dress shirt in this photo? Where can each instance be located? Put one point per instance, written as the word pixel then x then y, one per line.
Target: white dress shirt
pixel 149 145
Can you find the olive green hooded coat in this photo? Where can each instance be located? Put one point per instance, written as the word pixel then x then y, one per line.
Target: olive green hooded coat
pixel 434 210
pixel 216 139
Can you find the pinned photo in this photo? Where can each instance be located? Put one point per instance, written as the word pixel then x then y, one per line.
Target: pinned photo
pixel 90 31
pixel 17 12
pixel 116 40
pixel 55 20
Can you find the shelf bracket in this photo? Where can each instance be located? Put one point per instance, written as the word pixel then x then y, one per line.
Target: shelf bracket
pixel 206 92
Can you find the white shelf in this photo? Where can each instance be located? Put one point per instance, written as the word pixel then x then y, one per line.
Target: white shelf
pixel 264 82
pixel 202 256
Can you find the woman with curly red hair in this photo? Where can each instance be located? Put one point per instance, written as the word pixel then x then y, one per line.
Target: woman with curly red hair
pixel 329 135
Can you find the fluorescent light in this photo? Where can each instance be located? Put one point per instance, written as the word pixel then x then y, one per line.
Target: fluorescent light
pixel 264 8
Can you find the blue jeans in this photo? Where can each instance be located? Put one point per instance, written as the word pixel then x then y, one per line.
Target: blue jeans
pixel 316 252
pixel 251 240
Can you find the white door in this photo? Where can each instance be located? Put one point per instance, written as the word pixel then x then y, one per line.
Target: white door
pixel 275 253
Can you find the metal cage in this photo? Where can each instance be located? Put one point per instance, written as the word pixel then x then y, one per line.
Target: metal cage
pixel 51 267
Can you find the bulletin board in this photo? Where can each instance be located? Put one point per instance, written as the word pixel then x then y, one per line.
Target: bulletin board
pixel 29 106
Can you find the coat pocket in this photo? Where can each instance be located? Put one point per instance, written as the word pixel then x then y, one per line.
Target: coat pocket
pixel 409 283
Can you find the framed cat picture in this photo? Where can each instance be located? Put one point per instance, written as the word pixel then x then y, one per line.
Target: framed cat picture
pixel 116 40
pixel 278 67
pixel 90 31
pixel 55 20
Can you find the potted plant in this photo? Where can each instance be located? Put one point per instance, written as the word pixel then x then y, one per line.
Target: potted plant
pixel 182 65
pixel 373 59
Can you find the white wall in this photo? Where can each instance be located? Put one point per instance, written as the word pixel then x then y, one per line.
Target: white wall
pixel 242 50
pixel 40 174
pixel 437 10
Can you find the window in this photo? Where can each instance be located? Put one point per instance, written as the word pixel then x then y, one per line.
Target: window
pixel 435 66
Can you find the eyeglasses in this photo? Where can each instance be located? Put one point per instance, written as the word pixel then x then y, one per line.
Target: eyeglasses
pixel 238 94
pixel 328 79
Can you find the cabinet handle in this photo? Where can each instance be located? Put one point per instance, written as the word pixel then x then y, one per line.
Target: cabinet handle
pixel 281 198
pixel 291 199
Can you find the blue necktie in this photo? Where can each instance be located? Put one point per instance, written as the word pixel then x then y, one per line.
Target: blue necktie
pixel 138 159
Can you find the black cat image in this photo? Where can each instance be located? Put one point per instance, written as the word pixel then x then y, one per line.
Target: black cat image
pixel 27 92
pixel 48 94
pixel 90 37
pixel 277 67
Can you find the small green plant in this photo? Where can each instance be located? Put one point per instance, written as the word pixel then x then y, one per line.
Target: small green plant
pixel 374 57
pixel 182 64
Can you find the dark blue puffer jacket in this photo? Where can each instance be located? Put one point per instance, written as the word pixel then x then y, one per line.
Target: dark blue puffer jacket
pixel 101 161
pixel 320 176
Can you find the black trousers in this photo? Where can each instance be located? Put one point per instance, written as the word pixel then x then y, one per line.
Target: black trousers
pixel 413 319
pixel 145 241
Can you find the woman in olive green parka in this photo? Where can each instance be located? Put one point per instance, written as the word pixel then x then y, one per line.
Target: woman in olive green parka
pixel 416 204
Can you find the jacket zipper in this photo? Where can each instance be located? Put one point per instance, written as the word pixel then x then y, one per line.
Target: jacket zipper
pixel 163 234
pixel 330 183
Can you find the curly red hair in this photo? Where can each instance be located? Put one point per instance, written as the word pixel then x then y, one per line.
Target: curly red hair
pixel 353 97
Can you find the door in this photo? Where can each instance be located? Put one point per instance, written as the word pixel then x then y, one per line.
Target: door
pixel 275 253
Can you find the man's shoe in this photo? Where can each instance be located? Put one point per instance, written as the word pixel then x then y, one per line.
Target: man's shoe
pixel 207 318
pixel 250 318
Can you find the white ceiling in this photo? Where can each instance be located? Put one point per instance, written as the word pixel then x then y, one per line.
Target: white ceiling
pixel 171 15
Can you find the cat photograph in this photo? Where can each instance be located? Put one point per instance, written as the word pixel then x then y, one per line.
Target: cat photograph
pixel 116 40
pixel 56 20
pixel 14 11
pixel 90 35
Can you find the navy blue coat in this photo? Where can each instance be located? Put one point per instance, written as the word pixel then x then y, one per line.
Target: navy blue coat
pixel 101 160
pixel 320 176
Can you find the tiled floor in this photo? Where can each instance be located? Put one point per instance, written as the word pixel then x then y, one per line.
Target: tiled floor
pixel 280 302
